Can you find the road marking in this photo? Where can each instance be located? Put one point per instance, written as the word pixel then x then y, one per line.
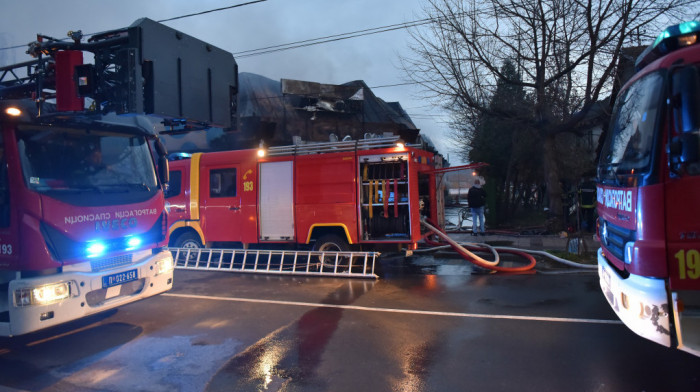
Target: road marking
pixel 404 311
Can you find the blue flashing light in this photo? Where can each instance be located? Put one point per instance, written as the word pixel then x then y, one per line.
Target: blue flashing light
pixel 676 31
pixel 176 156
pixel 133 242
pixel 672 38
pixel 95 249
pixel 664 35
pixel 689 27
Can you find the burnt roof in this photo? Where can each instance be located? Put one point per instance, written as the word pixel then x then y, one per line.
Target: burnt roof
pixel 262 97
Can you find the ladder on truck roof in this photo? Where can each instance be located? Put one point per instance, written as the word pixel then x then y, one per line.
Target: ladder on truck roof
pixel 339 146
pixel 277 262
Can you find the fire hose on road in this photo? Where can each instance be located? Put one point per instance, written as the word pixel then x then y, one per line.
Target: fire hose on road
pixel 464 251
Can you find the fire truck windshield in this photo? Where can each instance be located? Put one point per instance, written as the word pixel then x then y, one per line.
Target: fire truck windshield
pixel 70 160
pixel 629 145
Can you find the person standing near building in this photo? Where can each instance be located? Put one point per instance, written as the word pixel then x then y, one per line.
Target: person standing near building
pixel 477 201
pixel 587 194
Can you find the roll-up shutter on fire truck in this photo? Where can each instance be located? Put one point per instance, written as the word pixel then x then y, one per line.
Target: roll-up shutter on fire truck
pixel 276 201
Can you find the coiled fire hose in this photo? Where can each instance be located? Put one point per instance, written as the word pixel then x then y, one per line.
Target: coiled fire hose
pixel 492 265
pixel 474 259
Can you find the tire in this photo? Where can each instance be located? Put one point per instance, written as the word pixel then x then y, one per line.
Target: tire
pixel 188 240
pixel 332 243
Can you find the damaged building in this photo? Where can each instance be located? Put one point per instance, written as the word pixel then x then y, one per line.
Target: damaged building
pixel 291 112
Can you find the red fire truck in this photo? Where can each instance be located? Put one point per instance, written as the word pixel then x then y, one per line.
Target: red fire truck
pixel 82 225
pixel 648 193
pixel 331 195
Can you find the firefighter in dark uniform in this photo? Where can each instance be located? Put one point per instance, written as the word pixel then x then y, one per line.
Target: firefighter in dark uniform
pixel 587 201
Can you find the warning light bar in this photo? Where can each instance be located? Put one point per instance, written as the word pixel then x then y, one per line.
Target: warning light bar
pixel 95 249
pixel 99 248
pixel 673 38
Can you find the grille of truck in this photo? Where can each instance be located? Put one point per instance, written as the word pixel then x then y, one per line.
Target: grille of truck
pixel 110 262
pixel 615 237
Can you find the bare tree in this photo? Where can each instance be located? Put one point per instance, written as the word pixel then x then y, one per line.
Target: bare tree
pixel 566 52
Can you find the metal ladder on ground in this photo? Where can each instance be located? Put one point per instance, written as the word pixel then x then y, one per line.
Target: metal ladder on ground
pixel 278 262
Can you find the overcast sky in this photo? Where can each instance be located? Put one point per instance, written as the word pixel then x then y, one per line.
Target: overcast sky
pixel 372 58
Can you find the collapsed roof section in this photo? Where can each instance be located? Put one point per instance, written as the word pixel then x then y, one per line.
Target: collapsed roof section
pixel 286 111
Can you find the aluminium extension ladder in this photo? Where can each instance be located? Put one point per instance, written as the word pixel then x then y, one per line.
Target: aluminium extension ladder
pixel 337 146
pixel 280 262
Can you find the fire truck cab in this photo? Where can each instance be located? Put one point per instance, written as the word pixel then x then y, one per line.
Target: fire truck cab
pixel 648 191
pixel 82 170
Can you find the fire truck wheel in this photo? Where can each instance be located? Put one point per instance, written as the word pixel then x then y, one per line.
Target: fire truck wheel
pixel 188 240
pixel 332 243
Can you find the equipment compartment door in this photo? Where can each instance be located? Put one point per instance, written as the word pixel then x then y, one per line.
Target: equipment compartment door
pixel 384 198
pixel 221 203
pixel 276 201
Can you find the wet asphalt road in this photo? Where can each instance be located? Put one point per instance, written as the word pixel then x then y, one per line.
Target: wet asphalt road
pixel 429 324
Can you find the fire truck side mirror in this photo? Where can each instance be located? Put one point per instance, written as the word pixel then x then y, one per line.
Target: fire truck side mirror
pixel 163 169
pixel 686 99
pixel 684 148
pixel 160 148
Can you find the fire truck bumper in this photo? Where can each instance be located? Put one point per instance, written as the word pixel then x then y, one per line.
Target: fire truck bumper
pixel 45 301
pixel 686 313
pixel 640 302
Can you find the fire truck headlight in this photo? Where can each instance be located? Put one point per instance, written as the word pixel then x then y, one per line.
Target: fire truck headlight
pixel 42 295
pixel 95 249
pixel 164 265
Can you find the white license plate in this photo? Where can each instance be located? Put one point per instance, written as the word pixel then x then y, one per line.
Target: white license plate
pixel 119 278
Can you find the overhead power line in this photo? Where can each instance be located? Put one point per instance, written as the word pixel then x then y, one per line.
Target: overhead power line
pixel 165 20
pixel 330 38
pixel 209 11
pixel 296 44
pixel 301 43
pixel 14 47
pixel 336 37
pixel 395 85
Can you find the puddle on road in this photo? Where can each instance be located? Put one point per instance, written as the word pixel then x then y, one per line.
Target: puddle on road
pixel 291 353
pixel 437 266
pixel 444 265
pixel 428 271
